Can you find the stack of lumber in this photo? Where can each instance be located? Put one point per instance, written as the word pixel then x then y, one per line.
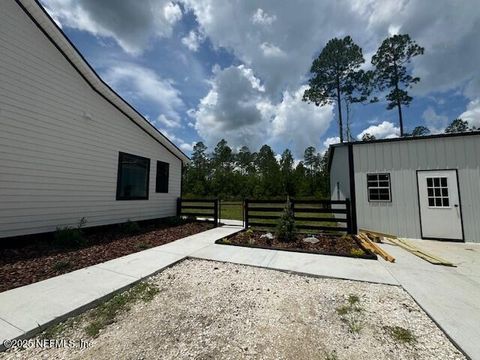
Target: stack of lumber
pixel 404 244
pixel 367 242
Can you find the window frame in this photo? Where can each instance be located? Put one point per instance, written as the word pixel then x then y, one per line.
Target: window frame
pixel 440 187
pixel 157 190
pixel 380 187
pixel 121 156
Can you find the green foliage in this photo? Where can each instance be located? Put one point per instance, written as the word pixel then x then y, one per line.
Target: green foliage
pixel 336 77
pixel 62 265
pixel 70 237
pixel 331 356
pixel 391 73
pixel 457 126
pixel 401 334
pixel 351 313
pixel 286 230
pixel 357 252
pixel 235 176
pixel 368 137
pixel 106 313
pixel 419 131
pixel 130 227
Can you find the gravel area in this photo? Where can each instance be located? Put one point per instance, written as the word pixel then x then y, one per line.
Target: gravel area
pixel 209 310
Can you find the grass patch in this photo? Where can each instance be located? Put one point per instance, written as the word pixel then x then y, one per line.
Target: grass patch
pixel 142 246
pixel 107 312
pixel 357 252
pixel 350 313
pixel 401 335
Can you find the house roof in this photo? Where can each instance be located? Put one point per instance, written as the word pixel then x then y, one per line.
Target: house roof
pixel 46 24
pixel 332 147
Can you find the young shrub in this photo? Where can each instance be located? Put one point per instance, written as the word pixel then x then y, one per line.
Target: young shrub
pixel 286 229
pixel 70 237
pixel 130 227
pixel 62 265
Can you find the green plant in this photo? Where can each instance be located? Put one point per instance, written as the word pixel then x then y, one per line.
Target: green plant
pixel 357 252
pixel 251 241
pixel 353 299
pixel 142 246
pixel 331 355
pixel 401 334
pixel 106 313
pixel 286 230
pixel 62 265
pixel 350 313
pixel 70 237
pixel 130 227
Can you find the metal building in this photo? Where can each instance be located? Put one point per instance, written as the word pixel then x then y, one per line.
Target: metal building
pixel 417 187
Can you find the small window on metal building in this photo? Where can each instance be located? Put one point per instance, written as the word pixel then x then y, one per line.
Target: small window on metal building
pixel 437 192
pixel 163 170
pixel 378 187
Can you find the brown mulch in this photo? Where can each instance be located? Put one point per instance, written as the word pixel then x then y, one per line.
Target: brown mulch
pixel 328 244
pixel 40 261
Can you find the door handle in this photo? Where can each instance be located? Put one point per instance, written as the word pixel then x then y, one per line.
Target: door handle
pixel 456 205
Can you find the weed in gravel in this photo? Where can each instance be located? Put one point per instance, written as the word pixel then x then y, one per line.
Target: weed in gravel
pixel 350 313
pixel 106 313
pixel 401 334
pixel 331 356
pixel 62 265
pixel 55 331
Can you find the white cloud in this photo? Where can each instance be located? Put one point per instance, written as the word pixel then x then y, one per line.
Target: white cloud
pixel 193 40
pixel 187 147
pixel 385 130
pixel 330 141
pixel 144 85
pixel 131 23
pixel 270 50
pixel 472 114
pixel 436 123
pixel 261 17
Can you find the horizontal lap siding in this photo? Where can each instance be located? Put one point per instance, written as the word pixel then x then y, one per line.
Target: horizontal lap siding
pixel 56 166
pixel 401 159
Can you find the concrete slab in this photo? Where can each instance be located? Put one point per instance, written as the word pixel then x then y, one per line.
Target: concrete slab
pixel 332 266
pixel 142 264
pixel 449 295
pixel 29 307
pixel 235 254
pixel 8 331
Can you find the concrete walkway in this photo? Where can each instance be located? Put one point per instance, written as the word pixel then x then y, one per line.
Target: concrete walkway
pixel 449 295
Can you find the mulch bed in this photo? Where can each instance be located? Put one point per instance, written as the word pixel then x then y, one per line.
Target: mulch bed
pixel 327 245
pixel 41 260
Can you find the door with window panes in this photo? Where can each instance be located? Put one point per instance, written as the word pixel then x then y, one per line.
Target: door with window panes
pixel 440 212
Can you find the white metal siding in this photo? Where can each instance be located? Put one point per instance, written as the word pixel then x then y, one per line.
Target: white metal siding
pixel 57 166
pixel 401 159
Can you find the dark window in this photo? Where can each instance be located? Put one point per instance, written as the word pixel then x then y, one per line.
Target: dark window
pixel 133 177
pixel 378 187
pixel 437 192
pixel 163 169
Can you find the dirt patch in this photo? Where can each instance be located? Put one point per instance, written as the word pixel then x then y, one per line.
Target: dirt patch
pixel 32 263
pixel 326 244
pixel 210 310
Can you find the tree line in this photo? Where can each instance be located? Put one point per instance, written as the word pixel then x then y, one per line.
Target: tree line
pixel 241 174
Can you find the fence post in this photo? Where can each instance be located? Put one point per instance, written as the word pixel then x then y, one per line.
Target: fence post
pixel 215 212
pixel 349 216
pixel 179 206
pixel 292 206
pixel 245 212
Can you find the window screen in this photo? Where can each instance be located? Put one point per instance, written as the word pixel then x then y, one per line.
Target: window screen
pixel 163 169
pixel 378 187
pixel 133 176
pixel 437 192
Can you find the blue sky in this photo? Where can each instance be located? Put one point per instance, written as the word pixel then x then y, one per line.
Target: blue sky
pixel 211 69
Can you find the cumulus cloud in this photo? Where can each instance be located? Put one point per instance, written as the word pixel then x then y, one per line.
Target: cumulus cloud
pixel 144 85
pixel 131 23
pixel 330 141
pixel 193 40
pixel 385 130
pixel 436 123
pixel 261 17
pixel 472 114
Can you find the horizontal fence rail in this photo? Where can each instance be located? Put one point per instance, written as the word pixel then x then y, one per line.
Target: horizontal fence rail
pixel 308 214
pixel 207 208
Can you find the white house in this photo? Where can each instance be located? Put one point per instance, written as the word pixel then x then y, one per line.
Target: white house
pixel 418 187
pixel 70 147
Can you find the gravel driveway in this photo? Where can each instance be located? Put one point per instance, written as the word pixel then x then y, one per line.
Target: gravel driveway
pixel 210 310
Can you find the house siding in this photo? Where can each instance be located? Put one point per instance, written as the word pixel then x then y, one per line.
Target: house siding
pixel 56 164
pixel 402 159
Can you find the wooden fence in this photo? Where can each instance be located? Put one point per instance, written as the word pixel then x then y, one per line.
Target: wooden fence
pixel 322 215
pixel 206 208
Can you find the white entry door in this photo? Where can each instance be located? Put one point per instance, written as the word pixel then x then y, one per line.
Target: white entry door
pixel 440 212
